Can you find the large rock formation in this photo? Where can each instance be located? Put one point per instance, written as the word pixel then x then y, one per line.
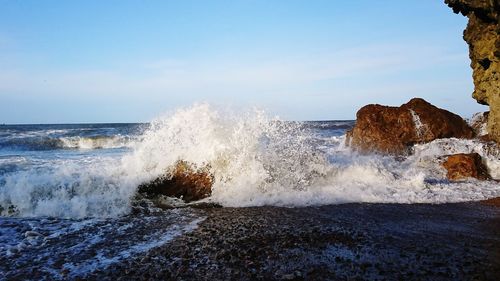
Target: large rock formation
pixel 463 166
pixel 182 182
pixel 483 36
pixel 394 130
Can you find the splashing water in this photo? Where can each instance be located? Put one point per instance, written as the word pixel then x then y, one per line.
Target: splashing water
pixel 248 154
pixel 255 160
pixel 419 127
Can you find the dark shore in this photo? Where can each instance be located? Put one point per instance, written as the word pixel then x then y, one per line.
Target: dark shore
pixel 339 242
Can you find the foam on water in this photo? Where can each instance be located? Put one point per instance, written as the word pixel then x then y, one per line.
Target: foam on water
pixel 67 188
pixel 70 249
pixel 256 160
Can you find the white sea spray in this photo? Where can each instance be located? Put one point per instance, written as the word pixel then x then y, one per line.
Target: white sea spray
pixel 419 126
pixel 255 160
pixel 479 119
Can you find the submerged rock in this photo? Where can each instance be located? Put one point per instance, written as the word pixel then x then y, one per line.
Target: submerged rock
pixel 183 182
pixel 463 166
pixel 394 130
pixel 482 34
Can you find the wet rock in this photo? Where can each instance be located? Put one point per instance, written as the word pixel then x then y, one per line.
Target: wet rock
pixel 183 181
pixel 11 210
pixel 394 130
pixel 482 34
pixel 495 202
pixel 462 166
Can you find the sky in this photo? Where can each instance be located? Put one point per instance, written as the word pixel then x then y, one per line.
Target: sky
pixel 129 61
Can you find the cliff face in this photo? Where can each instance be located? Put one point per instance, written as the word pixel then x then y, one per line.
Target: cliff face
pixel 483 36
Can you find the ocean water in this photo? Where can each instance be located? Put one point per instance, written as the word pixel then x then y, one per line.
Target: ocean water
pixel 67 190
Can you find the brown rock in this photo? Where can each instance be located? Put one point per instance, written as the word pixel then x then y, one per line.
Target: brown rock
pixel 182 182
pixel 483 37
pixel 495 202
pixel 462 166
pixel 394 130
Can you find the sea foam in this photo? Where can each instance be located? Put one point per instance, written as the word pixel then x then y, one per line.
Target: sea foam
pixel 255 160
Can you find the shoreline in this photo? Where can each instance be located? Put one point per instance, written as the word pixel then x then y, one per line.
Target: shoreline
pixel 355 241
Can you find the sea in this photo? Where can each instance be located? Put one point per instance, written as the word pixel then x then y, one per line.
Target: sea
pixel 68 192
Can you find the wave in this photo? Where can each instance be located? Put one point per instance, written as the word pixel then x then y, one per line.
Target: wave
pixel 256 160
pixel 73 142
pixel 99 142
pixel 330 125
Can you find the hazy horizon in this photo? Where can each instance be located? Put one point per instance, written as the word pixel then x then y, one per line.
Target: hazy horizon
pixel 147 122
pixel 129 61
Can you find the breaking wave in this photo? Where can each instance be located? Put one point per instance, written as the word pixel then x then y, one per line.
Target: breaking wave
pixel 255 160
pixel 73 142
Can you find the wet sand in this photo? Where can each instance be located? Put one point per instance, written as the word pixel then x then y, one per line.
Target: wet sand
pixel 338 242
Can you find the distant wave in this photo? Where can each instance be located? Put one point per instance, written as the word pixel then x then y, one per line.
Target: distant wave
pixel 330 125
pixel 75 142
pixel 97 142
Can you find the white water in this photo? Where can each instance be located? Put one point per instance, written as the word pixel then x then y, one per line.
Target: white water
pixel 419 127
pixel 256 160
pixel 479 119
pixel 70 249
pixel 96 143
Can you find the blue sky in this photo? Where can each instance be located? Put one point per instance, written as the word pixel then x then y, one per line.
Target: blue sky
pixel 129 61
